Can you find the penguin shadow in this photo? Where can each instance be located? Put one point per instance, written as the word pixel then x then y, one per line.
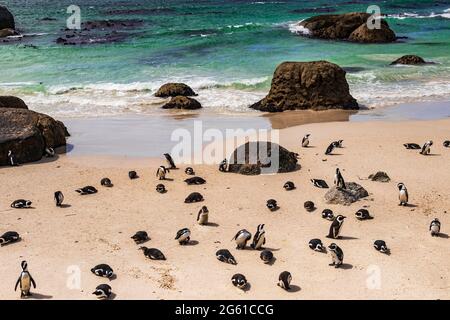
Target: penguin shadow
pixel 443 235
pixel 294 288
pixel 271 262
pixel 247 287
pixel 168 179
pixel 346 266
pixel 192 243
pixel 112 296
pixel 39 296
pixel 65 206
pixel 212 224
pixel 267 248
pixel 410 205
pixel 347 238
pixel 113 277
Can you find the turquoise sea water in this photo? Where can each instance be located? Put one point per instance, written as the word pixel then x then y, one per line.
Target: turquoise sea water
pixel 226 50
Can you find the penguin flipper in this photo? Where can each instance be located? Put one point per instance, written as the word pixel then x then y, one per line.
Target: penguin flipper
pixel 32 281
pixel 17 283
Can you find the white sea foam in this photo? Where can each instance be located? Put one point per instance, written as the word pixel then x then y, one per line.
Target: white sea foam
pixel 411 15
pixel 296 28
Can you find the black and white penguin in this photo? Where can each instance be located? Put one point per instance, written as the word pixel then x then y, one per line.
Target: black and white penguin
pixel 183 236
pixel 195 181
pixel 103 270
pixel 241 238
pixel 133 175
pixel 289 185
pixel 272 205
pixel 413 146
pixel 160 188
pixel 259 239
pixel 239 281
pixel 193 197
pixel 25 280
pixel 102 292
pixel 12 159
pixel 189 171
pixel 363 214
pixel 9 237
pixel 337 255
pixel 106 182
pixel 21 204
pixel 161 172
pixel 435 227
pixel 446 143
pixel 49 152
pixel 225 255
pixel 328 214
pixel 319 183
pixel 381 246
pixel 170 162
pixel 140 237
pixel 284 280
pixel 330 149
pixel 402 194
pixel 153 253
pixel 339 180
pixel 305 141
pixel 202 216
pixel 338 143
pixel 316 245
pixel 266 256
pixel 309 206
pixel 426 148
pixel 86 190
pixel 59 198
pixel 336 227
pixel 223 165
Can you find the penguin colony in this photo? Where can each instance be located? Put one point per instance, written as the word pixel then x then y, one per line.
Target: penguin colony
pixel 25 281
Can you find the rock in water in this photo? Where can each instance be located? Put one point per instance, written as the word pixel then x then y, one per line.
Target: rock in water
pixel 12 102
pixel 262 157
pixel 314 85
pixel 175 89
pixel 380 176
pixel 6 19
pixel 352 193
pixel 410 60
pixel 349 26
pixel 27 134
pixel 180 102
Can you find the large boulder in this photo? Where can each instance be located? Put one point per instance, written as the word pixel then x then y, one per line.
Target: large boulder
pixel 180 102
pixel 6 19
pixel 175 89
pixel 409 59
pixel 12 102
pixel 349 26
pixel 317 85
pixel 27 134
pixel 262 157
pixel 352 193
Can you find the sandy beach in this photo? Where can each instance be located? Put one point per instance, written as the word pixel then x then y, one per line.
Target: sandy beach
pixel 97 228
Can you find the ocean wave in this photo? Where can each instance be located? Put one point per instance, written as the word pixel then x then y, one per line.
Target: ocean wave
pixel 298 29
pixel 411 15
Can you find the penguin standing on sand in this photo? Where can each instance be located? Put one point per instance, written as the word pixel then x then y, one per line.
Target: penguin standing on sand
pixel 305 141
pixel 183 236
pixel 339 180
pixel 402 194
pixel 161 172
pixel 336 227
pixel 59 198
pixel 202 216
pixel 435 227
pixel 241 238
pixel 103 270
pixel 102 292
pixel 337 255
pixel 25 280
pixel 284 280
pixel 426 148
pixel 12 159
pixel 239 281
pixel 260 238
pixel 330 148
pixel 223 165
pixel 170 161
pixel 338 143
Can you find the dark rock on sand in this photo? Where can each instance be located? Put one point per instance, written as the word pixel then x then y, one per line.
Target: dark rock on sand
pixel 410 60
pixel 174 89
pixel 6 19
pixel 380 176
pixel 181 102
pixel 12 102
pixel 27 134
pixel 314 85
pixel 254 158
pixel 349 26
pixel 352 193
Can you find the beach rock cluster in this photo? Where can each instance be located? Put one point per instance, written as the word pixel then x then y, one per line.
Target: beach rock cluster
pixel 181 102
pixel 409 60
pixel 254 158
pixel 352 193
pixel 7 24
pixel 349 26
pixel 316 85
pixel 175 89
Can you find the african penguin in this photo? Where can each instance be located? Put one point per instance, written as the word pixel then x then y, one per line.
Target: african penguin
pixel 59 198
pixel 160 188
pixel 183 236
pixel 305 141
pixel 284 280
pixel 223 165
pixel 319 183
pixel 241 238
pixel 309 206
pixel 381 246
pixel 363 214
pixel 193 197
pixel 272 205
pixel 49 152
pixel 446 143
pixel 426 149
pixel 86 190
pixel 102 292
pixel 225 256
pixel 21 204
pixel 330 149
pixel 189 171
pixel 195 181
pixel 103 270
pixel 202 216
pixel 25 280
pixel 106 182
pixel 289 185
pixel 266 256
pixel 239 281
pixel 259 239
pixel 12 159
pixel 9 237
pixel 133 175
pixel 402 194
pixel 170 162
pixel 161 172
pixel 328 214
pixel 413 146
pixel 338 143
pixel 140 237
pixel 337 255
pixel 153 253
pixel 336 227
pixel 316 245
pixel 435 227
pixel 339 180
